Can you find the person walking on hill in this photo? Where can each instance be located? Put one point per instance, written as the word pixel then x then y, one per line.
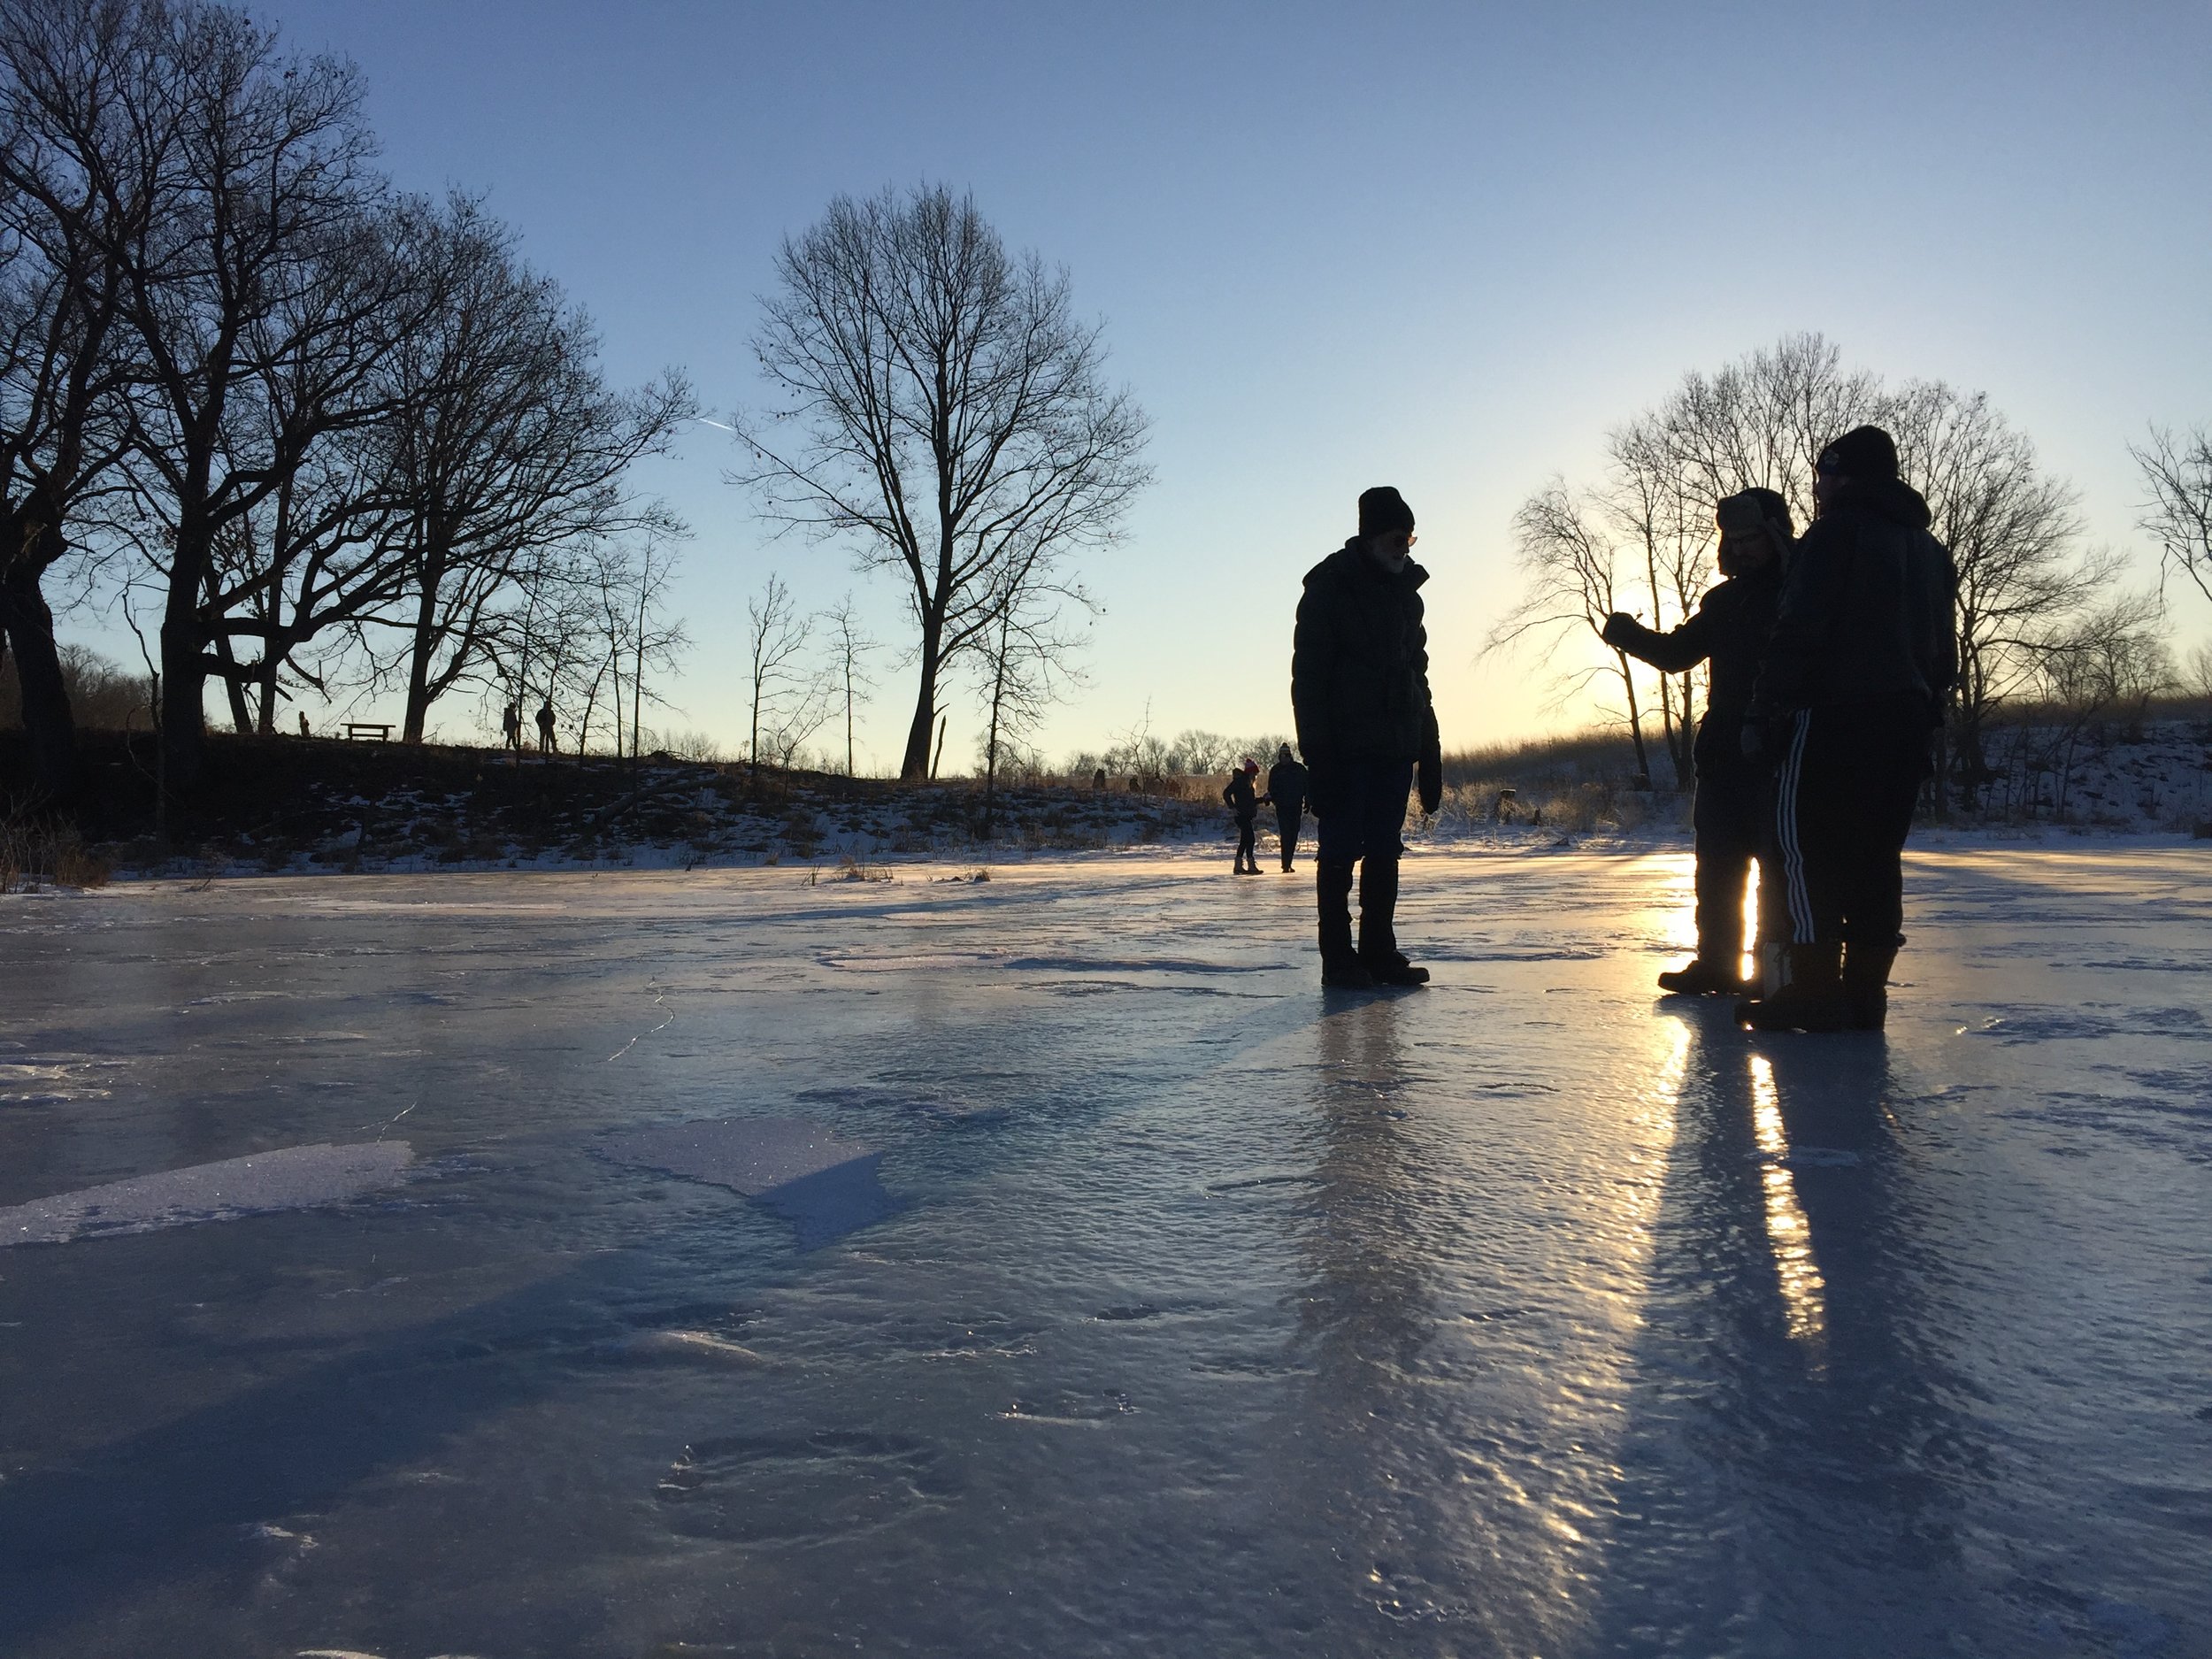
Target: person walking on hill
pixel 545 726
pixel 1244 802
pixel 1359 686
pixel 511 724
pixel 1863 655
pixel 1287 794
pixel 1731 818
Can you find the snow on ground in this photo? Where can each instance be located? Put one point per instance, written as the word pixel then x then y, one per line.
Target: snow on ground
pixel 1046 1265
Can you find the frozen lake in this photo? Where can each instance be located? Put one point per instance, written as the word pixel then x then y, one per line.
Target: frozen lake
pixel 620 1264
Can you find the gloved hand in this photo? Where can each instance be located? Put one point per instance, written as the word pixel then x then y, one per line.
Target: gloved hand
pixel 1615 629
pixel 1429 780
pixel 1752 739
pixel 1322 795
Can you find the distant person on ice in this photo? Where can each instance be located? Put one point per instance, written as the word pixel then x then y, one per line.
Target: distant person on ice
pixel 1865 653
pixel 1287 794
pixel 1733 810
pixel 1359 684
pixel 1243 800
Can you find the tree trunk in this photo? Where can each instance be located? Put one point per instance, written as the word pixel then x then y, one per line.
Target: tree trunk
pixel 268 690
pixel 29 628
pixel 1635 723
pixel 183 664
pixel 233 687
pixel 419 652
pixel 914 766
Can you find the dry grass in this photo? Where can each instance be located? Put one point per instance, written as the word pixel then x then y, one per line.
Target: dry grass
pixel 37 853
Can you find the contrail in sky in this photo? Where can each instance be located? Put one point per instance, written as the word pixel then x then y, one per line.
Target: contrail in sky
pixel 713 423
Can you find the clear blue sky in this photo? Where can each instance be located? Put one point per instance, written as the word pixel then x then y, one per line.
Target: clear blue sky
pixel 1439 246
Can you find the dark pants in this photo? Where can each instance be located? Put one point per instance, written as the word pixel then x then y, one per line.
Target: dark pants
pixel 1246 857
pixel 1287 819
pixel 1843 802
pixel 1732 816
pixel 1366 810
pixel 1360 824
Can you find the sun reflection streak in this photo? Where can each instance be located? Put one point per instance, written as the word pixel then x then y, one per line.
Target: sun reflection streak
pixel 1804 1292
pixel 1749 961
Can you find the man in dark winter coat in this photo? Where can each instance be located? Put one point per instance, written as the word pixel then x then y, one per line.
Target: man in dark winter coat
pixel 1359 684
pixel 1286 793
pixel 1243 801
pixel 1863 653
pixel 1729 631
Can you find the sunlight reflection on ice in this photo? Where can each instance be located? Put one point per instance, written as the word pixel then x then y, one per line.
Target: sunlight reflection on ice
pixel 1804 1292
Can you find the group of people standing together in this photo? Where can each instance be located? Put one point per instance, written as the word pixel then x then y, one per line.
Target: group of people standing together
pixel 1830 658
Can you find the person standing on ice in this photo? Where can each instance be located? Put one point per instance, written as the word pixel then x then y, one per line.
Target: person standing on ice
pixel 1863 653
pixel 1359 686
pixel 1730 818
pixel 1287 794
pixel 1243 800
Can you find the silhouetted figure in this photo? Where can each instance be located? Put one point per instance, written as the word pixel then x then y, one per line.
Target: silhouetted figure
pixel 1098 778
pixel 1244 802
pixel 303 727
pixel 1359 683
pixel 1864 653
pixel 1287 794
pixel 1732 814
pixel 510 725
pixel 545 726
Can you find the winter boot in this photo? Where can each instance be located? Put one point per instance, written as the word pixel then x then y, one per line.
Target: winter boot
pixel 1866 985
pixel 1339 962
pixel 1701 977
pixel 1811 996
pixel 1378 938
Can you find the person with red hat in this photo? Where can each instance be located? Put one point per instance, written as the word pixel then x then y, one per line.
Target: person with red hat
pixel 1242 795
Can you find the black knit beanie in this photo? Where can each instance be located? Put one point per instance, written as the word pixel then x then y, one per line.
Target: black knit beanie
pixel 1866 453
pixel 1383 511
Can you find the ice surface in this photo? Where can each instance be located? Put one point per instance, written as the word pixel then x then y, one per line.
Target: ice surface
pixel 1217 1316
pixel 825 1186
pixel 293 1177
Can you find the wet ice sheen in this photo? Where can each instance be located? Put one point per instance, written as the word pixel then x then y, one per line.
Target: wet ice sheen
pixel 1524 1315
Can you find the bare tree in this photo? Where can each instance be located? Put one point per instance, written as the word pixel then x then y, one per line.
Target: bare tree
pixel 258 252
pixel 2178 515
pixel 850 644
pixel 2012 533
pixel 508 458
pixel 79 158
pixel 1760 422
pixel 948 413
pixel 1024 669
pixel 1571 567
pixel 788 704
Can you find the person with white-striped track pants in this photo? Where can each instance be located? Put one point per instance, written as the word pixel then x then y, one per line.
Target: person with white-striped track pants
pixel 1863 655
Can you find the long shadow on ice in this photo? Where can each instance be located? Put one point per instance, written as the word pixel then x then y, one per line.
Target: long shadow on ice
pixel 172 1502
pixel 1799 1451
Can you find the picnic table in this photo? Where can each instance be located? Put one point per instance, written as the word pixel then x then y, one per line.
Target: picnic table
pixel 375 731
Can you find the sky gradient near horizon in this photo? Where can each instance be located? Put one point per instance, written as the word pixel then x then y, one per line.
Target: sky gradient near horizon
pixel 1444 247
